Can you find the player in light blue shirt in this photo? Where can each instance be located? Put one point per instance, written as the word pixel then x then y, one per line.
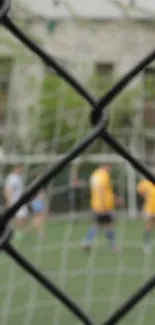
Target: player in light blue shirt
pixel 13 189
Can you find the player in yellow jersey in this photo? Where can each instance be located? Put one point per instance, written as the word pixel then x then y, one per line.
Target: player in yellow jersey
pixel 147 191
pixel 103 203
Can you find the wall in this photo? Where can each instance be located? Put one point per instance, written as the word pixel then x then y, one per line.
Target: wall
pixel 26 80
pixel 120 42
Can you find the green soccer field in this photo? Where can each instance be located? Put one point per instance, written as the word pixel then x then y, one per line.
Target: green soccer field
pixel 99 281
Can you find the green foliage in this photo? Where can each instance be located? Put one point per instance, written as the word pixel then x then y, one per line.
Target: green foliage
pixel 60 105
pixel 149 87
pixel 100 84
pixel 123 109
pixel 5 66
pixel 62 111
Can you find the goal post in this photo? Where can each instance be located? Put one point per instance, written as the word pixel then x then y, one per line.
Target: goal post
pixel 71 187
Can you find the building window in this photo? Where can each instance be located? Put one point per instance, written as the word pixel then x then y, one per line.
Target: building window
pixel 149 85
pixel 104 77
pixel 5 70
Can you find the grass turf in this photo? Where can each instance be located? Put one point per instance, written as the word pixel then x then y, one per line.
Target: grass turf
pixel 99 281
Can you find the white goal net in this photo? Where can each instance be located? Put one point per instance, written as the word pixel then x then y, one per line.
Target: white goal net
pixel 43 120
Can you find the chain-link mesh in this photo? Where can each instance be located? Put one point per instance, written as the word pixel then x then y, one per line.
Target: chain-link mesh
pixel 99 121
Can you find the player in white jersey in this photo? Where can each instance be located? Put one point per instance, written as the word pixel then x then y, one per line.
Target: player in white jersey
pixel 13 189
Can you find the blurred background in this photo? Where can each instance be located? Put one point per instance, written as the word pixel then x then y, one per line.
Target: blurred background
pixel 41 118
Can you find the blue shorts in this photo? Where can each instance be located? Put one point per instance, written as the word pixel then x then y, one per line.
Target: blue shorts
pixel 38 206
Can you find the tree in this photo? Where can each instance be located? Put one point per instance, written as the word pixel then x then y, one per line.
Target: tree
pixel 64 113
pixel 123 108
pixel 61 109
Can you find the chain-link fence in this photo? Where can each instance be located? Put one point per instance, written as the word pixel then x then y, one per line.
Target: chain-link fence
pixel 99 120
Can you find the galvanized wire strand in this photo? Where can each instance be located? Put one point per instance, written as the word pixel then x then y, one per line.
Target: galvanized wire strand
pixel 98 115
pixel 48 284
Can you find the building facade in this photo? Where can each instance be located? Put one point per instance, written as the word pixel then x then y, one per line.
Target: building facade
pixel 107 44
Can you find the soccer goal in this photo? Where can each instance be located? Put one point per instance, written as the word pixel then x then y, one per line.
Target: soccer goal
pixel 45 119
